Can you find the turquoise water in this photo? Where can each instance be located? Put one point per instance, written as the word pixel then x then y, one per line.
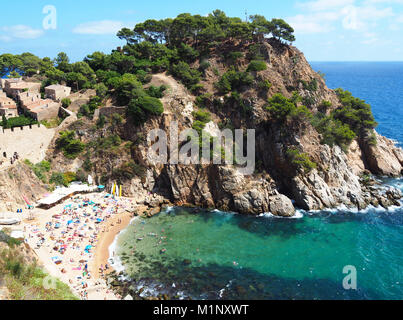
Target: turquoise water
pixel 216 255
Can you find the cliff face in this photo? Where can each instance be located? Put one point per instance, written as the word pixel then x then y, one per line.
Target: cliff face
pixel 336 179
pixel 16 183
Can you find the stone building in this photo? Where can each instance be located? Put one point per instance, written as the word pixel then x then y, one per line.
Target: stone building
pixel 43 109
pixel 57 92
pixel 26 98
pixel 8 107
pixel 14 87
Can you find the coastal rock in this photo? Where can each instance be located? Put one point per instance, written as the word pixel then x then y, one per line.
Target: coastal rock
pixel 332 184
pixel 281 205
pixel 394 193
pixel 384 157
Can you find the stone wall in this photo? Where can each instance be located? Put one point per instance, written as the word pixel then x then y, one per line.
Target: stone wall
pixel 108 111
pixel 30 142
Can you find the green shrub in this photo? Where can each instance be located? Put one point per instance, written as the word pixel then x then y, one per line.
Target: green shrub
pixel 300 160
pixel 57 178
pixel 204 65
pixel 355 113
pixel 187 53
pixel 70 146
pixel 311 85
pixel 142 108
pixel 143 76
pixel 101 89
pixel 234 80
pixel 151 105
pixel 89 108
pixel 257 65
pixel 203 100
pixel 333 131
pixel 198 126
pixel 280 107
pixel 264 85
pixel 234 56
pixel 66 102
pixel 196 88
pixel 156 92
pixel 185 73
pixel 17 122
pixel 40 169
pixel 202 115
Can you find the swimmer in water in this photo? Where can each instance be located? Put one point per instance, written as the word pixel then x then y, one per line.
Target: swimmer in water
pixel 235 263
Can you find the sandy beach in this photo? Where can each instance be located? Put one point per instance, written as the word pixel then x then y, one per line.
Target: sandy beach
pixel 106 239
pixel 72 240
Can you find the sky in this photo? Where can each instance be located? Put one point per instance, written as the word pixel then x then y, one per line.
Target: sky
pixel 326 30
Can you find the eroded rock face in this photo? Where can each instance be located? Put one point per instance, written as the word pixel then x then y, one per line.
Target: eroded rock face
pixel 225 188
pixel 384 158
pixel 16 183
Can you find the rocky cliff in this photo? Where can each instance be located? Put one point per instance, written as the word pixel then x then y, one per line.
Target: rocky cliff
pixel 16 183
pixel 340 175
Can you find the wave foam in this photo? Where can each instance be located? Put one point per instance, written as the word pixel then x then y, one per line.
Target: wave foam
pixel 114 260
pixel 299 213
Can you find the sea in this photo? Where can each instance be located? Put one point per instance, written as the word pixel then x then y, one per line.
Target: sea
pixel 330 254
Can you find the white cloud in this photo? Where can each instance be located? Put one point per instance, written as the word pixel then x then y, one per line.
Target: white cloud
pixel 324 5
pixel 324 15
pixel 99 27
pixel 312 23
pixel 360 18
pixel 385 1
pixel 9 33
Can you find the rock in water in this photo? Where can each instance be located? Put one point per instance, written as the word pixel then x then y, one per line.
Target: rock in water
pixel 281 205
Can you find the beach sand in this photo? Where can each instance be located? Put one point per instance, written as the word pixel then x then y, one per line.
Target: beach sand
pixel 105 239
pixel 99 235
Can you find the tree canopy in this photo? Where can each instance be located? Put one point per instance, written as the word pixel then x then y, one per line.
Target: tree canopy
pixel 201 30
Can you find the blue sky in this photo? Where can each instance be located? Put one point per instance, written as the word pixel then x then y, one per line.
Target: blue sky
pixel 326 30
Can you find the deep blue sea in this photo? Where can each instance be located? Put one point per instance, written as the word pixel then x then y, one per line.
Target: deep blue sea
pixel 378 83
pixel 219 255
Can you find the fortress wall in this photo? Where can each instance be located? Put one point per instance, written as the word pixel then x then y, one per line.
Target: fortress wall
pixel 30 142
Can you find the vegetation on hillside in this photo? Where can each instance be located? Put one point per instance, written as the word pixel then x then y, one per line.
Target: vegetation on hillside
pixel 25 281
pixel 185 47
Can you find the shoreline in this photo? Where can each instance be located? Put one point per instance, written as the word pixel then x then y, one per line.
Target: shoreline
pixel 105 240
